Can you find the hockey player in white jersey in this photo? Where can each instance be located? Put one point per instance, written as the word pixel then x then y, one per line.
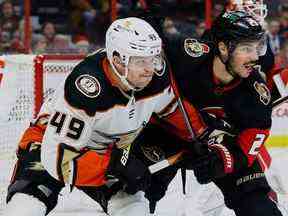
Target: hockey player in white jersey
pixel 83 133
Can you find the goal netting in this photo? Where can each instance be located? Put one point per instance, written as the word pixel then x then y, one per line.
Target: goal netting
pixel 25 81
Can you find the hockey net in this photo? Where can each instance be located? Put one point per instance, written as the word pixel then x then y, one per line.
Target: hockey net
pixel 25 81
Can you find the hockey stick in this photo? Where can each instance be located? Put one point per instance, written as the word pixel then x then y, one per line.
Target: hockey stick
pixel 279 101
pixel 166 162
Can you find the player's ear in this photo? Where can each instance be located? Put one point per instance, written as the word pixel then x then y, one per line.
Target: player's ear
pixel 118 64
pixel 222 48
pixel 117 61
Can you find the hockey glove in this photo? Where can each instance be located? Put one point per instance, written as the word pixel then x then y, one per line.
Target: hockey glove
pixel 215 164
pixel 131 171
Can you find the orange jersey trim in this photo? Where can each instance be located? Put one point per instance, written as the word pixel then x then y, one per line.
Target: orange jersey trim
pixel 31 134
pixel 90 169
pixel 176 123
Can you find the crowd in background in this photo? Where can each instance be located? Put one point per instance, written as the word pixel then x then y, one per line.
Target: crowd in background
pixel 78 26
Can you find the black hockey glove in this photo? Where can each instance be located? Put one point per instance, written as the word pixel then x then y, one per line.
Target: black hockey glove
pixel 215 164
pixel 131 171
pixel 223 156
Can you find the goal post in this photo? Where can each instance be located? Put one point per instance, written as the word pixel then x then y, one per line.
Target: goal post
pixel 25 81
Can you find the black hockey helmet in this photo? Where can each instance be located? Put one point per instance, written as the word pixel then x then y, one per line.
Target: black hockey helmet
pixel 236 26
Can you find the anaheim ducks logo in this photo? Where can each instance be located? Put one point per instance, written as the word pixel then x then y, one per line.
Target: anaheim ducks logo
pixel 88 85
pixel 263 92
pixel 194 48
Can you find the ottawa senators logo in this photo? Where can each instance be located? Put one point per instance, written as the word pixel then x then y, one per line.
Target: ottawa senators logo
pixel 263 92
pixel 194 48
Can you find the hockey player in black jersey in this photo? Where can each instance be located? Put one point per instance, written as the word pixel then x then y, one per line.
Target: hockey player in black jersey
pixel 221 78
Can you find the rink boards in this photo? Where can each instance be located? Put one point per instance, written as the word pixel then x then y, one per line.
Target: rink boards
pixel 279 130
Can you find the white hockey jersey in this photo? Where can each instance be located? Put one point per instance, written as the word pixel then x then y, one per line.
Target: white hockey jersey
pixel 88 113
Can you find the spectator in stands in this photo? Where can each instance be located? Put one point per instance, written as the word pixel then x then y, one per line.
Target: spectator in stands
pixel 16 44
pixel 40 45
pixel 82 46
pixel 170 29
pixel 217 9
pixel 9 23
pixel 275 39
pixel 52 42
pixel 125 7
pixel 283 14
pixel 282 59
pixel 89 18
pixel 200 29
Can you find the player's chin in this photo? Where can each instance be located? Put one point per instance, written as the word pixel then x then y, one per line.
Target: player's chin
pixel 143 84
pixel 146 80
pixel 245 73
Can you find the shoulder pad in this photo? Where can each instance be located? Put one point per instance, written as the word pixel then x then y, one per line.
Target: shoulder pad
pixel 86 87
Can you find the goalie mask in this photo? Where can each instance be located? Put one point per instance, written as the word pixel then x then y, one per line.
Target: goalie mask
pixel 132 39
pixel 256 8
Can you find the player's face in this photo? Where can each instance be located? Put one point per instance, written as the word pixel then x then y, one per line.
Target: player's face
pixel 244 58
pixel 142 69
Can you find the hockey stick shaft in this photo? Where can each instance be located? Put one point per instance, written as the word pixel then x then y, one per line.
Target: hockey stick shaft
pixel 279 101
pixel 165 163
pixel 181 106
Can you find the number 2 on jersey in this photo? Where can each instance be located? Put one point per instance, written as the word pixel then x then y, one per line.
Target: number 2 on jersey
pixel 258 142
pixel 75 126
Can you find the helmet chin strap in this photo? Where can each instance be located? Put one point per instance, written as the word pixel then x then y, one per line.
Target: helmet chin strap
pixel 124 80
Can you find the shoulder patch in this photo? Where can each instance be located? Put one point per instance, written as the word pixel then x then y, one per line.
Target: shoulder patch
pixel 194 48
pixel 88 85
pixel 263 92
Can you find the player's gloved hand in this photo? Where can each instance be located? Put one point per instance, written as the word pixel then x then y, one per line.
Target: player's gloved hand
pixel 215 164
pixel 131 171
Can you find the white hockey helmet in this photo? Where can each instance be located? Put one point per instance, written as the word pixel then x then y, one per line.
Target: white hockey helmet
pixel 132 37
pixel 256 8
